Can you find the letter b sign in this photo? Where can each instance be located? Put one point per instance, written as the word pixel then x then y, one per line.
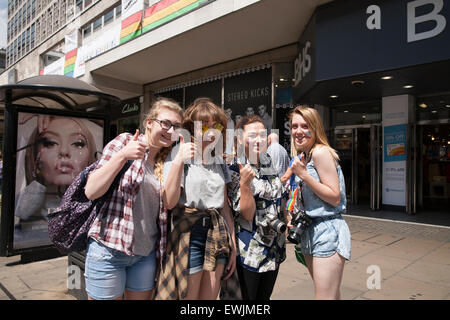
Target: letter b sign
pixel 431 16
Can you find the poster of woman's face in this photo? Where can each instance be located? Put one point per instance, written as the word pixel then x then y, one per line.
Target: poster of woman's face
pixel 51 152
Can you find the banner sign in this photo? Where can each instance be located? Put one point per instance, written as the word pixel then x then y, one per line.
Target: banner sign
pixel 131 19
pixel 164 11
pixel 56 68
pixel 250 93
pixel 71 46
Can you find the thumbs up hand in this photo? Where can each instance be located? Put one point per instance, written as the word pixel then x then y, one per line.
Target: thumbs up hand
pixel 186 151
pixel 246 174
pixel 134 149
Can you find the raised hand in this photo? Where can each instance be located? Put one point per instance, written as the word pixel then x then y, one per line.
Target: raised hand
pixel 246 174
pixel 134 149
pixel 186 151
pixel 298 166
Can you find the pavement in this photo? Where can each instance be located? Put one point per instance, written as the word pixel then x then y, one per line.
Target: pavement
pixel 410 260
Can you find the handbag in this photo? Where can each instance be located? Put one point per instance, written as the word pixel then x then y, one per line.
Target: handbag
pixel 69 224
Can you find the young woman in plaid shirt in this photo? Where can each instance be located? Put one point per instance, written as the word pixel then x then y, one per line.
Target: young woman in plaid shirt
pixel 128 236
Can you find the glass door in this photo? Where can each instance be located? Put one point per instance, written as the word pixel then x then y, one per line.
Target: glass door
pixel 359 150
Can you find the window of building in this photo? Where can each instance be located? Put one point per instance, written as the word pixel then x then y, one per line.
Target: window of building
pixel 33 9
pixel 87 30
pixel 32 36
pixel 27 40
pixel 87 3
pixel 78 6
pixel 23 39
pixel 118 10
pixel 108 17
pixel 97 24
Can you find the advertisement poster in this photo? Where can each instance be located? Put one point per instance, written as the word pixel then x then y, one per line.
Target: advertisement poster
pixel 394 184
pixel 51 152
pixel 249 93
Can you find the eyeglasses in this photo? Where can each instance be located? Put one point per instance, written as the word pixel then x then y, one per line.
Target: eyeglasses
pixel 166 125
pixel 216 126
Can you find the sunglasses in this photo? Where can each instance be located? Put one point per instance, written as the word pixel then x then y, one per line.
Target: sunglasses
pixel 216 126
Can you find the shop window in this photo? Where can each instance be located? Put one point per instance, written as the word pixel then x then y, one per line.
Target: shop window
pixel 127 125
pixel 355 114
pixel 433 108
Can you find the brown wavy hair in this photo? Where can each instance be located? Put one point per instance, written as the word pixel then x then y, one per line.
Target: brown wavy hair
pixel 204 109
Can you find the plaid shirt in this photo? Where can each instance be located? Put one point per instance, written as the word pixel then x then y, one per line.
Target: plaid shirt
pixel 117 214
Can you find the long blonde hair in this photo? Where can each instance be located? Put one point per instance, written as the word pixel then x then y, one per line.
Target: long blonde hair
pixel 158 105
pixel 315 125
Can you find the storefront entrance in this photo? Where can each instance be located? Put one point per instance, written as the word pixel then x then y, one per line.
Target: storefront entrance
pixel 359 149
pixel 433 170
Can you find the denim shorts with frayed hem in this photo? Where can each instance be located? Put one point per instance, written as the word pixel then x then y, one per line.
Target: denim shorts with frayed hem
pixel 109 272
pixel 197 245
pixel 324 237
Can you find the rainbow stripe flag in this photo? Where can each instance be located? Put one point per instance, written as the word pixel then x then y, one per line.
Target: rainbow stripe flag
pixel 69 64
pixel 131 27
pixel 292 197
pixel 167 10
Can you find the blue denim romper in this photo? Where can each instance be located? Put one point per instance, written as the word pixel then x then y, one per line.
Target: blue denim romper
pixel 328 233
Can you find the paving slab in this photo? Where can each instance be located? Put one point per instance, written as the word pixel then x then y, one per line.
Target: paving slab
pixel 432 273
pixel 399 288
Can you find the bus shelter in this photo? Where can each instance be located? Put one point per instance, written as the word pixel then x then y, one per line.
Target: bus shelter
pixel 54 126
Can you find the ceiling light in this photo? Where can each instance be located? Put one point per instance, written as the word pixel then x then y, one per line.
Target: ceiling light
pixel 333 96
pixel 345 111
pixel 408 86
pixel 282 79
pixel 434 111
pixel 364 116
pixel 448 105
pixel 386 78
pixel 357 83
pixel 423 105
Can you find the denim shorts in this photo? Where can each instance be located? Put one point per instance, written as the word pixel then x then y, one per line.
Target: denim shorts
pixel 197 245
pixel 325 237
pixel 109 272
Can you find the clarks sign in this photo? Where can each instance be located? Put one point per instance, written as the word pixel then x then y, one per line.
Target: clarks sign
pixel 128 108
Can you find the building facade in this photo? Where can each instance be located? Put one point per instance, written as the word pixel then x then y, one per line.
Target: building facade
pixel 377 71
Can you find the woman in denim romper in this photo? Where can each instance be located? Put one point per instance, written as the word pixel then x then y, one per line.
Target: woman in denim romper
pixel 326 243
